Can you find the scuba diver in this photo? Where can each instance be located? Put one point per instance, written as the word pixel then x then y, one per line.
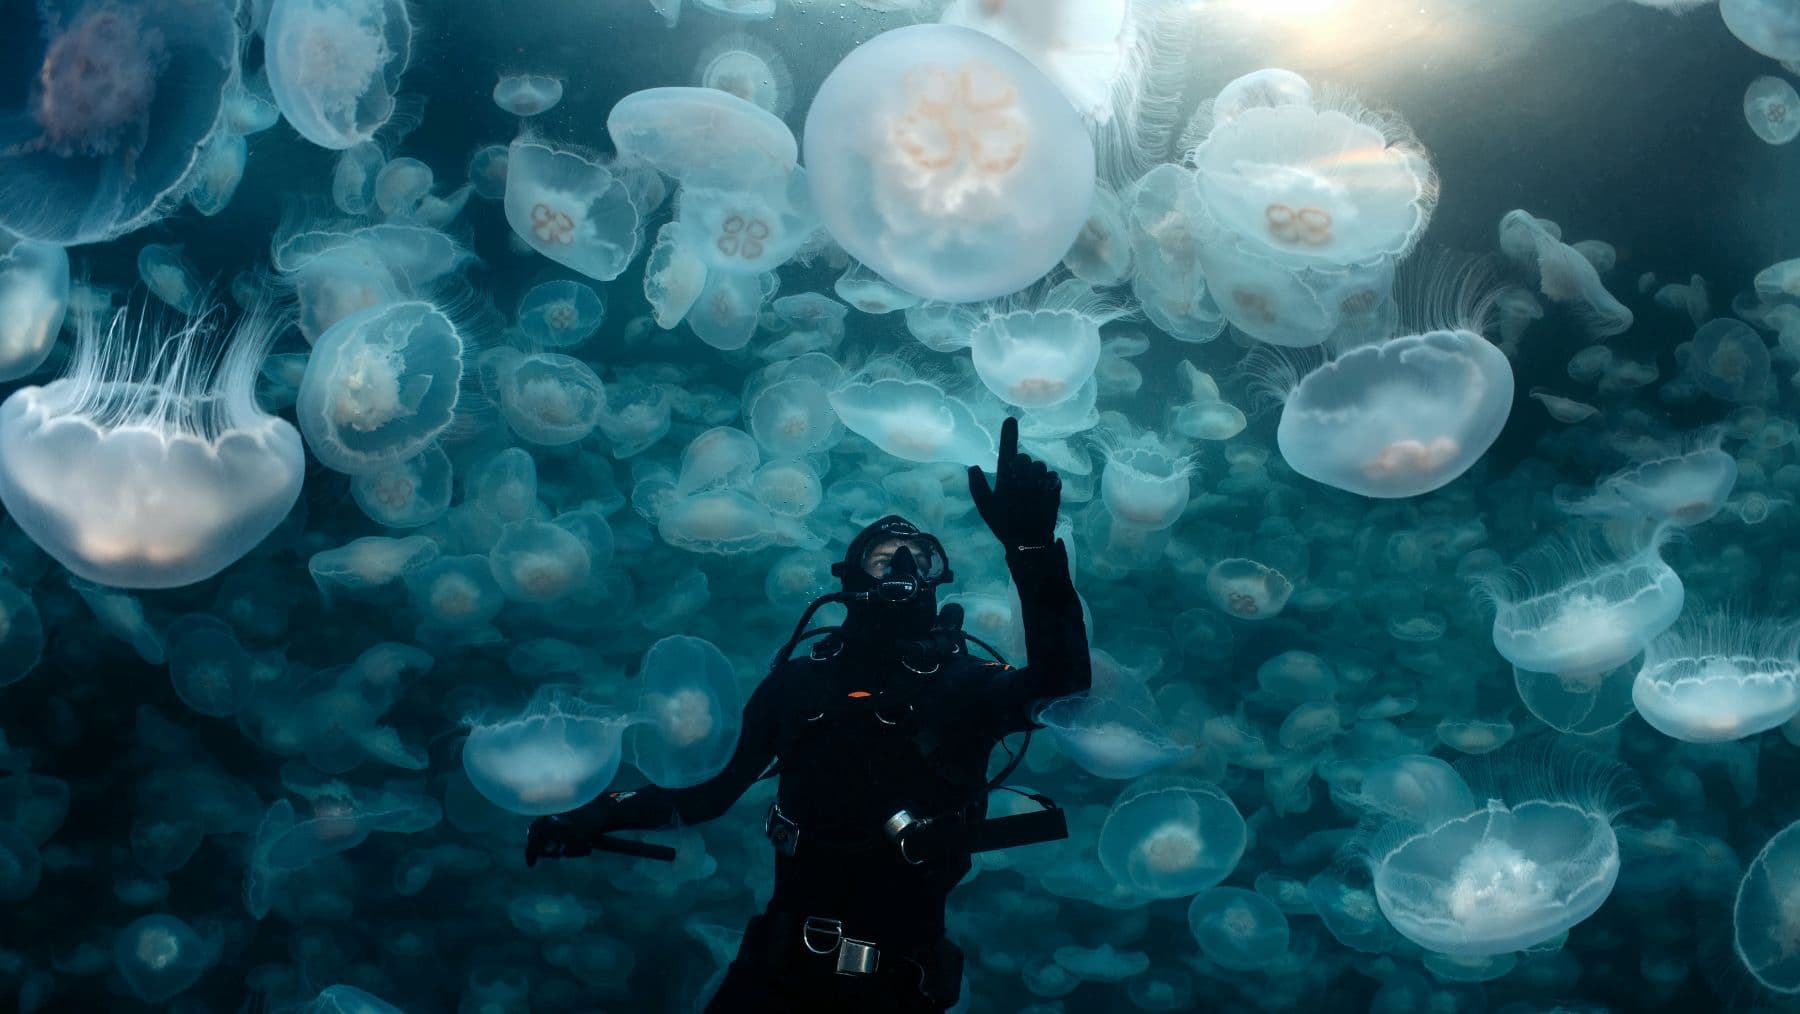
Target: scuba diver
pixel 880 735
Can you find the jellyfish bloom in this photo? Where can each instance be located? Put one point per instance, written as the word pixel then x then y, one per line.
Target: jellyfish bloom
pixel 1765 923
pixel 1729 361
pixel 1771 27
pixel 381 385
pixel 1564 274
pixel 1237 929
pixel 1683 488
pixel 159 956
pixel 1247 590
pixel 561 314
pixel 748 68
pixel 911 126
pixel 1108 739
pixel 1537 858
pixel 555 755
pixel 1036 351
pixel 685 726
pixel 551 399
pixel 528 94
pixel 702 134
pixel 1399 418
pixel 915 420
pixel 334 65
pixel 567 206
pixel 1170 837
pixel 1720 678
pixel 34 297
pixel 122 100
pixel 1567 610
pixel 147 466
pixel 1143 484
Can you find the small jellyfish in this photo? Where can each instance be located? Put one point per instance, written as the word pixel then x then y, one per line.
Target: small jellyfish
pixel 1582 704
pixel 555 755
pixel 1164 217
pixel 1109 739
pixel 1246 589
pixel 538 562
pixel 1771 27
pixel 487 171
pixel 1102 964
pixel 702 134
pixel 334 65
pixel 915 420
pixel 862 288
pixel 211 671
pixel 746 228
pixel 1037 350
pixel 341 999
pixel 401 185
pixel 21 634
pixel 368 563
pixel 410 493
pixel 685 726
pixel 528 94
pixel 1565 275
pixel 1684 487
pixel 567 206
pixel 169 278
pixel 455 597
pixel 159 956
pixel 1237 929
pixel 382 384
pixel 1170 837
pixel 729 308
pixel 353 178
pixel 1720 678
pixel 1765 918
pixel 34 298
pixel 561 314
pixel 723 521
pixel 1143 483
pixel 748 68
pixel 911 125
pixel 1729 361
pixel 218 172
pixel 1208 416
pixel 793 417
pixel 149 464
pixel 550 399
pixel 1474 736
pixel 637 416
pixel 1101 255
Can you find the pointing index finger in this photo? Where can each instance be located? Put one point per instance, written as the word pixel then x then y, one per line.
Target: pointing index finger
pixel 1009 444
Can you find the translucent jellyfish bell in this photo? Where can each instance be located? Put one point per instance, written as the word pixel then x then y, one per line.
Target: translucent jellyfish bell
pixel 121 101
pixel 745 66
pixel 1771 27
pixel 570 208
pixel 551 399
pixel 382 384
pixel 556 755
pixel 1684 488
pixel 1564 274
pixel 1144 484
pixel 1108 739
pixel 1037 351
pixel 1729 360
pixel 560 314
pixel 159 956
pixel 149 463
pixel 702 133
pixel 1718 678
pixel 915 420
pixel 1237 929
pixel 747 228
pixel 1247 590
pixel 334 65
pixel 1765 923
pixel 1170 837
pixel 686 722
pixel 528 94
pixel 948 163
pixel 34 296
pixel 1399 418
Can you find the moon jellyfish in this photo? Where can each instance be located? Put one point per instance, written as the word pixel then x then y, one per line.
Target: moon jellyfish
pixel 748 68
pixel 335 272
pixel 1399 418
pixel 1765 918
pixel 538 562
pixel 487 171
pixel 561 314
pixel 34 296
pixel 528 94
pixel 1564 274
pixel 341 999
pixel 122 98
pixel 1682 488
pixel 1164 216
pixel 948 163
pixel 211 671
pixel 159 956
pixel 742 10
pixel 551 399
pixel 746 228
pixel 1035 351
pixel 793 417
pixel 915 420
pixel 567 206
pixel 401 185
pixel 1246 589
pixel 1581 703
pixel 1568 610
pixel 702 134
pixel 1143 483
pixel 148 464
pixel 1720 678
pixel 381 385
pixel 166 274
pixel 1538 857
pixel 1729 361
pixel 1771 27
pixel 685 726
pixel 334 65
pixel 555 755
pixel 1108 739
pixel 1169 837
pixel 1237 929
pixel 1101 255
pixel 1563 410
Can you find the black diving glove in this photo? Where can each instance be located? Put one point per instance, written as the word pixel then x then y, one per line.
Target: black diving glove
pixel 569 835
pixel 1020 508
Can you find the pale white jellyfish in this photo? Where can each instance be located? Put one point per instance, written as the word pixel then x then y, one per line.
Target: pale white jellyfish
pixel 915 420
pixel 218 171
pixel 167 275
pixel 1684 488
pixel 1037 350
pixel 1085 46
pixel 741 10
pixel 1170 837
pixel 722 521
pixel 702 134
pixel 1720 678
pixel 149 464
pixel 729 307
pixel 1765 918
pixel 1729 361
pixel 1399 418
pixel 1563 410
pixel 34 296
pixel 487 171
pixel 1564 274
pixel 555 755
pixel 793 417
pixel 334 65
pixel 674 277
pixel 1163 211
pixel 1246 589
pixel 1144 484
pixel 747 228
pixel 1583 704
pixel 550 399
pixel 745 66
pixel 1237 929
pixel 873 294
pixel 1779 282
pixel 948 163
pixel 539 562
pixel 1101 255
pixel 560 314
pixel 1208 416
pixel 1538 857
pixel 1771 27
pixel 1568 610
pixel 686 723
pixel 1110 739
pixel 380 387
pixel 528 94
pixel 336 273
pixel 401 185
pixel 567 206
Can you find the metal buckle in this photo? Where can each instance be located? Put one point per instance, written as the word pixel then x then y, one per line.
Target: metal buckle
pixel 782 832
pixel 857 957
pixel 820 924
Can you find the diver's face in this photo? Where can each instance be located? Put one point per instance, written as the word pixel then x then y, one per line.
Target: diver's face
pixel 878 563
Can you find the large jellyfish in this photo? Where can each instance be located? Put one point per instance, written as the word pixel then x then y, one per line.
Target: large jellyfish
pixel 34 296
pixel 1170 837
pixel 1765 918
pixel 1399 418
pixel 1719 678
pixel 686 723
pixel 567 206
pixel 1771 27
pixel 948 163
pixel 555 755
pixel 151 467
pixel 334 65
pixel 380 387
pixel 745 66
pixel 123 96
pixel 1037 351
pixel 1538 857
pixel 913 419
pixel 1570 611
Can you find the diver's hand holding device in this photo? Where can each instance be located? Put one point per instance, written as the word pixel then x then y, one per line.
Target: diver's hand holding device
pixel 583 832
pixel 1020 508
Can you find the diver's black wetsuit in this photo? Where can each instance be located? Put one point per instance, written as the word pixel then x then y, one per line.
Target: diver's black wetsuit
pixel 870 722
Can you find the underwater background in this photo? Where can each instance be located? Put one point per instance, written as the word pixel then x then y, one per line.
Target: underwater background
pixel 298 629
